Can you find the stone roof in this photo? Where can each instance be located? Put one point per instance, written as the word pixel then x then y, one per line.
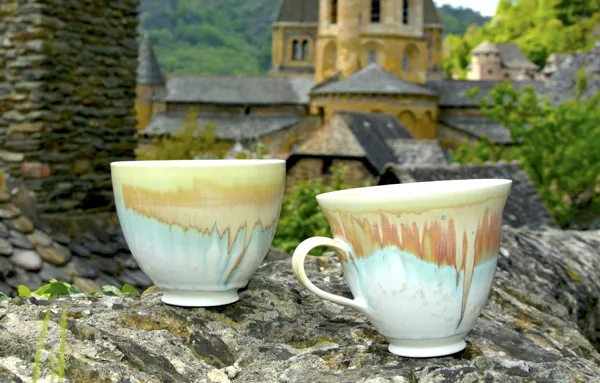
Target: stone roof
pixel 452 92
pixel 524 209
pixel 299 11
pixel 231 127
pixel 148 71
pixel 32 252
pixel 512 57
pixel 417 152
pixel 479 127
pixel 358 135
pixel 431 14
pixel 246 90
pixel 562 71
pixel 372 79
pixel 485 48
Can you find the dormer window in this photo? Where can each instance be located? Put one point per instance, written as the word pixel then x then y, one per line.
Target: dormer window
pixel 333 15
pixel 375 11
pixel 405 12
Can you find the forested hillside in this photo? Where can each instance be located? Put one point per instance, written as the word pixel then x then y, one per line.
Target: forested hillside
pixel 232 36
pixel 457 20
pixel 538 27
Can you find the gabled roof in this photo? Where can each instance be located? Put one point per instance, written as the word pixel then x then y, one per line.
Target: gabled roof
pixel 230 127
pixel 512 57
pixel 247 90
pixel 524 208
pixel 431 14
pixel 357 134
pixel 300 11
pixel 148 71
pixel 372 79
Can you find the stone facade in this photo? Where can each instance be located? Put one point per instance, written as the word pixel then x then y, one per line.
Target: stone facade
pixel 418 114
pixel 67 89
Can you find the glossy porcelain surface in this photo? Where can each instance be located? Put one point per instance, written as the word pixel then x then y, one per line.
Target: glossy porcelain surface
pixel 199 229
pixel 419 258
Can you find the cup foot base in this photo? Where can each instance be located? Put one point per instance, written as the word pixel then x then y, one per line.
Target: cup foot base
pixel 427 348
pixel 199 298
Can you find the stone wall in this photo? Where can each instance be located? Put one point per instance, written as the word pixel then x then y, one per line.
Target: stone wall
pixel 67 89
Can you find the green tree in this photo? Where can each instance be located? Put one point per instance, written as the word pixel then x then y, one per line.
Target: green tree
pixel 558 147
pixel 190 142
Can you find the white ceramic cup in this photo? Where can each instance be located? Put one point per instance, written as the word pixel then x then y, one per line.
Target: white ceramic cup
pixel 419 257
pixel 199 229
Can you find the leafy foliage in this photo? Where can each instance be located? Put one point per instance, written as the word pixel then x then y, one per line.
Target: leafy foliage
pixel 231 37
pixel 558 148
pixel 301 217
pixel 56 289
pixel 189 143
pixel 538 27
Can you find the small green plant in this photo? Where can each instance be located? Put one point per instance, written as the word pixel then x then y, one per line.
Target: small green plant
pixel 126 289
pixel 55 289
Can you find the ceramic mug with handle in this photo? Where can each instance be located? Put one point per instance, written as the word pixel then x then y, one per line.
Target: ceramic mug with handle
pixel 199 229
pixel 419 258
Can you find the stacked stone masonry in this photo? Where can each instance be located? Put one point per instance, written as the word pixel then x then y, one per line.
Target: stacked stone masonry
pixel 67 88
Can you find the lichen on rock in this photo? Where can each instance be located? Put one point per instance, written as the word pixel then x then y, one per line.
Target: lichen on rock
pixel 533 328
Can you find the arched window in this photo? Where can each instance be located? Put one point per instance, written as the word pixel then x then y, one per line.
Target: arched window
pixel 305 50
pixel 375 11
pixel 296 50
pixel 372 57
pixel 405 9
pixel 405 63
pixel 333 12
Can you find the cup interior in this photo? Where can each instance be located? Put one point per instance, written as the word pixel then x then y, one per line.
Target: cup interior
pixel 417 194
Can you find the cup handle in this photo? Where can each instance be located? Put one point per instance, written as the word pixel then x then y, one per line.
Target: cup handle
pixel 338 246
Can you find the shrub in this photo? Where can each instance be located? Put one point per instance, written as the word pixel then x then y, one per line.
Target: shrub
pixel 301 217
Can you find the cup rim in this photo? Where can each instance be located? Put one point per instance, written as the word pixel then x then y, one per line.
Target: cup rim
pixel 400 191
pixel 196 163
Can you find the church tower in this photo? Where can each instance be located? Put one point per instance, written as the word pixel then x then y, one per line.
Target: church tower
pixel 355 33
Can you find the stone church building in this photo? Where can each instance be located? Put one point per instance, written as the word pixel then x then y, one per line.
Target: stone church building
pixel 337 65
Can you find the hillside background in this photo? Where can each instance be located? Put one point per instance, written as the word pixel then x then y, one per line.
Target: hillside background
pixel 234 36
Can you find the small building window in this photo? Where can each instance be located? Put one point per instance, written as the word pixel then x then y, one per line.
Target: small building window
pixel 372 57
pixel 305 50
pixel 333 12
pixel 507 75
pixel 375 11
pixel 405 12
pixel 405 62
pixel 490 71
pixel 296 51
